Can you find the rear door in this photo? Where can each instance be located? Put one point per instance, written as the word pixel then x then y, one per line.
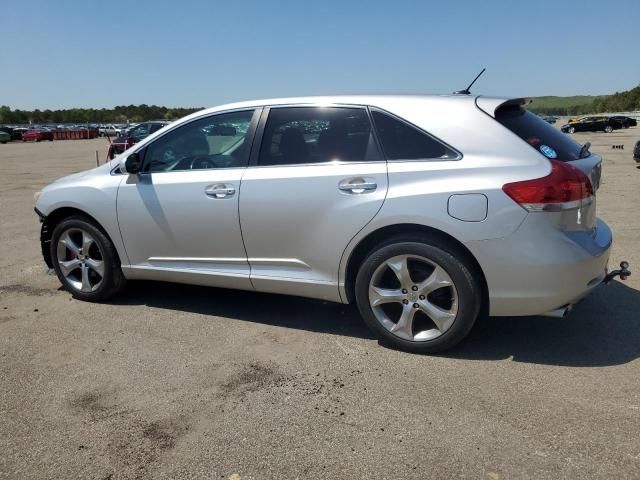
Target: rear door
pixel 316 179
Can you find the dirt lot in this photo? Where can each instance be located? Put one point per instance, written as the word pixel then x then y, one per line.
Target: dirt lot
pixel 172 381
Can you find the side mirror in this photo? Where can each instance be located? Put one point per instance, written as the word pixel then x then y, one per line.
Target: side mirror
pixel 133 163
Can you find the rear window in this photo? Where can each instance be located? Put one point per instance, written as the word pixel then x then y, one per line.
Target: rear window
pixel 548 140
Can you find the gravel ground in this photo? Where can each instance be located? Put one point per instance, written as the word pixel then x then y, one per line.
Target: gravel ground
pixel 173 381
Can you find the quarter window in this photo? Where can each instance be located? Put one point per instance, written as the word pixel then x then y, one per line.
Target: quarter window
pixel 219 141
pixel 401 141
pixel 302 135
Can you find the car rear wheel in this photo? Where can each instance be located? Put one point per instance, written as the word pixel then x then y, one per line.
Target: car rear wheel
pixel 85 260
pixel 571 130
pixel 418 297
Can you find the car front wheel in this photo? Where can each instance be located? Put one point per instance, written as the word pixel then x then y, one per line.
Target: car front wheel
pixel 608 129
pixel 418 297
pixel 85 260
pixel 571 130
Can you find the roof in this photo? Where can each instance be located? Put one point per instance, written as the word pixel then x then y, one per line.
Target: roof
pixel 491 103
pixel 372 100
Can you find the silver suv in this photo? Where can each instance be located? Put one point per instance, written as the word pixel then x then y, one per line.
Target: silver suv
pixel 426 211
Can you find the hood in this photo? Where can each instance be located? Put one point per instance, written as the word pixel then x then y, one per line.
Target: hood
pixel 76 177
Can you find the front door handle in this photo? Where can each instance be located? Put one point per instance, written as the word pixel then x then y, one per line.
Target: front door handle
pixel 357 186
pixel 220 191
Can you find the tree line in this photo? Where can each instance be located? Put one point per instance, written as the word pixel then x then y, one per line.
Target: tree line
pixel 618 102
pixel 119 114
pixel 627 101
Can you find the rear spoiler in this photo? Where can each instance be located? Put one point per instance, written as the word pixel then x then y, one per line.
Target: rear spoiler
pixel 490 105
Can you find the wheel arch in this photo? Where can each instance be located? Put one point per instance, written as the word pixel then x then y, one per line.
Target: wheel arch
pixel 54 218
pixel 425 233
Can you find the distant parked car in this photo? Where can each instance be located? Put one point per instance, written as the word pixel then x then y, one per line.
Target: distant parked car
pixel 133 136
pixel 110 131
pixel 626 122
pixel 592 124
pixel 37 135
pixel 4 137
pixel 549 119
pixel 8 131
pixel 17 132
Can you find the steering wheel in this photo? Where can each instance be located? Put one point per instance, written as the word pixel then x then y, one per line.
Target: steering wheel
pixel 201 162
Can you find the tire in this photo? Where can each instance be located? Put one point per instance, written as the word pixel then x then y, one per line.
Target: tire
pixel 102 283
pixel 571 130
pixel 608 129
pixel 458 296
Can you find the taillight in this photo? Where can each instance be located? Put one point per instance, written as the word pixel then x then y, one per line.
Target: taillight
pixel 564 188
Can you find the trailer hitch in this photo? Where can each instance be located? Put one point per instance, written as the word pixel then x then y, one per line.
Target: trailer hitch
pixel 623 273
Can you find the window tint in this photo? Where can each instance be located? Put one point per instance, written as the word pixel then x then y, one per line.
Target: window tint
pixel 538 133
pixel 218 141
pixel 299 135
pixel 401 141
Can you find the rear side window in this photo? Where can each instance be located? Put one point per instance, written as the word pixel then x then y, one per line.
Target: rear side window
pixel 548 140
pixel 402 141
pixel 303 135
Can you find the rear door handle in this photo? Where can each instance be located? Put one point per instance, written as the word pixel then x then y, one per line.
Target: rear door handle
pixel 220 191
pixel 357 186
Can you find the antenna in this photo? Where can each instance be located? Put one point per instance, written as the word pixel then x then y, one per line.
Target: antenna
pixel 466 90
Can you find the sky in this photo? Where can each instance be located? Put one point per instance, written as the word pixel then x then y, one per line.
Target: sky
pixel 200 53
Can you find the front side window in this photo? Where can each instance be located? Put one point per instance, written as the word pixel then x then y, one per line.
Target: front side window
pixel 218 141
pixel 402 141
pixel 139 132
pixel 303 135
pixel 155 127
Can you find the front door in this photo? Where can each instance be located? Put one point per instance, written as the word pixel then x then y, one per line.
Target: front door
pixel 179 216
pixel 316 180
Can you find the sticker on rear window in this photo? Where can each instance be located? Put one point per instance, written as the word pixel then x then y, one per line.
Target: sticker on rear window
pixel 548 152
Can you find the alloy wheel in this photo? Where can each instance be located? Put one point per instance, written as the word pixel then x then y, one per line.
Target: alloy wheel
pixel 81 260
pixel 413 297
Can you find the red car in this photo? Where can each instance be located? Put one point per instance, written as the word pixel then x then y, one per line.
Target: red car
pixel 37 135
pixel 132 136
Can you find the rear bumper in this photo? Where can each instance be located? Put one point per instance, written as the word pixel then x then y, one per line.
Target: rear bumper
pixel 532 272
